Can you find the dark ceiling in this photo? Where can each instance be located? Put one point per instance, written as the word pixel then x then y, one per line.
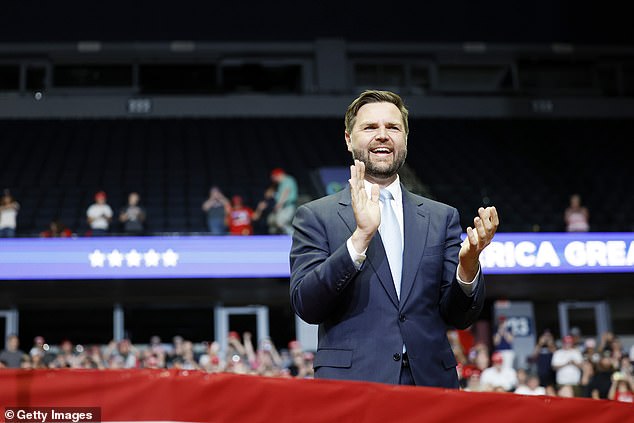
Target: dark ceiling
pixel 447 21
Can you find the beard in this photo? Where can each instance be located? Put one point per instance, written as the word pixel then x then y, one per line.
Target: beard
pixel 380 169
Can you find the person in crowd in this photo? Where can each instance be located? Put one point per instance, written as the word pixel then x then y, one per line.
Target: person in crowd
pixel 466 340
pixel 300 361
pixel 617 350
pixel 599 384
pixel 240 217
pixel 621 388
pixel 550 391
pixel 156 345
pixel 472 382
pixel 567 362
pixel 236 351
pixel 612 346
pixel 531 387
pixel 503 342
pixel 420 276
pixel 150 361
pixel 626 367
pixel 97 360
pixel 587 373
pixel 99 215
pixel 576 215
pixel 577 338
pixel 280 219
pixel 216 207
pixel 122 354
pixel 498 375
pixel 186 360
pixel 479 356
pixel 39 346
pixel 175 350
pixel 239 359
pixel 26 362
pixel 155 355
pixel 456 346
pixel 68 356
pixel 566 391
pixel 56 229
pixel 211 361
pixel 262 225
pixel 590 352
pixel 132 215
pixel 268 361
pixel 542 357
pixel 12 354
pixel 605 342
pixel 9 209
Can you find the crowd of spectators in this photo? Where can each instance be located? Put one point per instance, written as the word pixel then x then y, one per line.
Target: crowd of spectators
pixel 272 214
pixel 569 367
pixel 243 355
pixel 9 209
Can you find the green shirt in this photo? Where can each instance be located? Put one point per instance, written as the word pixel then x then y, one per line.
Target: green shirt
pixel 287 183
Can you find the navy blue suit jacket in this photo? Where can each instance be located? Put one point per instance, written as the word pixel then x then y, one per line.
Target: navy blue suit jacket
pixel 362 323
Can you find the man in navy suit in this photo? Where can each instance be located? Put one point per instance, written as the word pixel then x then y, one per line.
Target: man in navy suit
pixel 384 272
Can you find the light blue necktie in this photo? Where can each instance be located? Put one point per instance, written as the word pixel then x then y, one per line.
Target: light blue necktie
pixel 391 237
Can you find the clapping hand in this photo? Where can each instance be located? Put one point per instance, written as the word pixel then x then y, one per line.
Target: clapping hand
pixel 478 237
pixel 367 211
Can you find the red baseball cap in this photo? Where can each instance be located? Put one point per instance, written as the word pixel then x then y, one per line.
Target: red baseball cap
pixel 100 194
pixel 497 357
pixel 471 371
pixel 277 171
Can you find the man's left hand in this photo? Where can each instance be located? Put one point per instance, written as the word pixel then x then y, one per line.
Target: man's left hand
pixel 478 237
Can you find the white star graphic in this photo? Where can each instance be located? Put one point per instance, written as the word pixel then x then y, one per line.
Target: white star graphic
pixel 115 258
pixel 133 258
pixel 170 258
pixel 97 258
pixel 151 258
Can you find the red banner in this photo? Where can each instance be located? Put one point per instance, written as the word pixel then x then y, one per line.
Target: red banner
pixel 193 396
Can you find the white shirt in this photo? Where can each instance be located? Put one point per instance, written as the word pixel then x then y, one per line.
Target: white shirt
pixel 97 213
pixel 397 206
pixel 505 377
pixel 525 390
pixel 8 218
pixel 569 374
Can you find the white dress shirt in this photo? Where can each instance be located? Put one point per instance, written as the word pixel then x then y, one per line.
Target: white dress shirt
pixel 397 204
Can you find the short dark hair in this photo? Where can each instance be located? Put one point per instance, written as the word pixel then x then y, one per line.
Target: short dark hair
pixel 375 96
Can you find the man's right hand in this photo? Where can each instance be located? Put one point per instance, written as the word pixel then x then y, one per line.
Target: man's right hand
pixel 367 211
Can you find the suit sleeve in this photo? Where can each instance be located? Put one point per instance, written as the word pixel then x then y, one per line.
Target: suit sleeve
pixel 320 272
pixel 458 309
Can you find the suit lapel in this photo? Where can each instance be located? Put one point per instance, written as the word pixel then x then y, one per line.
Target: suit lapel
pixel 416 226
pixel 375 256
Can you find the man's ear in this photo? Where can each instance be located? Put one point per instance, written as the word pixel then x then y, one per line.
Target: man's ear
pixel 348 141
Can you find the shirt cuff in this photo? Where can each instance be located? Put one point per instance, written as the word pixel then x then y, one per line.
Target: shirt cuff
pixel 357 258
pixel 468 287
